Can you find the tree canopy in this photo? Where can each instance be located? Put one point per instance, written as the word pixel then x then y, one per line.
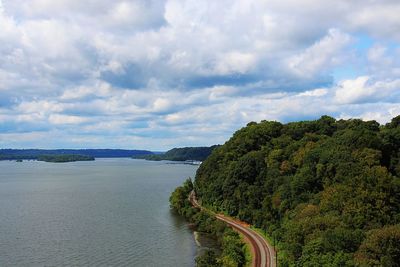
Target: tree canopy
pixel 181 154
pixel 232 248
pixel 328 189
pixel 64 158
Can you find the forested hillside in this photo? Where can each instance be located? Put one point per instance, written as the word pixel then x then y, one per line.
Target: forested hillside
pixel 182 154
pixel 328 190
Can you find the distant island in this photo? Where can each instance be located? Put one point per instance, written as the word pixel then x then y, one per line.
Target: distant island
pixel 181 154
pixel 34 154
pixel 64 158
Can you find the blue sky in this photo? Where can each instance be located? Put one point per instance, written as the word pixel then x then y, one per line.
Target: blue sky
pixel 156 74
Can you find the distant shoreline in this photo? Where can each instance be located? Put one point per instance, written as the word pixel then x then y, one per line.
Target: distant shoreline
pixel 33 154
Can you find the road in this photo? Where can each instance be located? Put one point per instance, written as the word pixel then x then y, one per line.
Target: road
pixel 263 252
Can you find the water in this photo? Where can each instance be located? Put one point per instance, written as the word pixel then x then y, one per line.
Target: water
pixel 108 212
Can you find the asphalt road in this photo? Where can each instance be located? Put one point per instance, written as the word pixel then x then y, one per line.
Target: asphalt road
pixel 263 252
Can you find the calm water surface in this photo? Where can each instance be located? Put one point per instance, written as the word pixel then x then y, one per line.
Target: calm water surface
pixel 108 212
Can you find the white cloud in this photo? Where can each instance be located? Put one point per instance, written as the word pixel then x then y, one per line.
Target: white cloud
pixel 322 55
pixel 316 92
pixel 383 62
pixel 362 89
pixel 41 106
pixel 380 18
pixel 190 72
pixel 65 119
pixel 161 104
pixel 235 62
pixel 98 89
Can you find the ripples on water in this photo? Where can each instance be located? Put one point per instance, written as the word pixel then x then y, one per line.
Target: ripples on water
pixel 110 212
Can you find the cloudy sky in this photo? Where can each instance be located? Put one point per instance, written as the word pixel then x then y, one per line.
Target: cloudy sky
pixel 155 74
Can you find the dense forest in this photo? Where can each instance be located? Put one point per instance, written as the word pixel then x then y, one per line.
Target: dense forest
pixel 15 154
pixel 182 154
pixel 64 158
pixel 328 190
pixel 233 251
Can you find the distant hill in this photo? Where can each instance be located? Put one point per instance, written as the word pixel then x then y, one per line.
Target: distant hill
pixel 13 154
pixel 182 154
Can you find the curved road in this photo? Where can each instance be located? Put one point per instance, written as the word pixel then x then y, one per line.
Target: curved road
pixel 263 252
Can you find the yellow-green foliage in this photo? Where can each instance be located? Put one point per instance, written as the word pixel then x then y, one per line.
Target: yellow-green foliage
pixel 380 248
pixel 326 188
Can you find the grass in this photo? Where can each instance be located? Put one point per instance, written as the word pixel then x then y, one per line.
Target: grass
pixel 247 253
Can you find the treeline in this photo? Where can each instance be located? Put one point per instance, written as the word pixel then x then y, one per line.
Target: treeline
pixel 17 157
pixel 233 249
pixel 64 158
pixel 327 190
pixel 15 154
pixel 181 154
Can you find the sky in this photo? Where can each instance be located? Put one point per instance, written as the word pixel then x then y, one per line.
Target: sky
pixel 157 74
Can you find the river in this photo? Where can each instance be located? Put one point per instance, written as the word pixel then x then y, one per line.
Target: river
pixel 108 212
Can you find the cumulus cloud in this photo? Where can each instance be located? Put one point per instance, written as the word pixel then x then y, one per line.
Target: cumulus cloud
pixel 65 119
pixel 161 73
pixel 362 89
pixel 97 89
pixel 322 55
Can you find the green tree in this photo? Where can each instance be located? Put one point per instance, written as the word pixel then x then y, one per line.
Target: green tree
pixel 208 259
pixel 380 248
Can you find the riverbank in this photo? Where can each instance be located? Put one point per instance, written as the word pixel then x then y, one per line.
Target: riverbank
pixel 263 254
pixel 233 249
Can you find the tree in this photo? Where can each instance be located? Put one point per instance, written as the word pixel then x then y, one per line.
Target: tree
pixel 321 186
pixel 208 259
pixel 380 248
